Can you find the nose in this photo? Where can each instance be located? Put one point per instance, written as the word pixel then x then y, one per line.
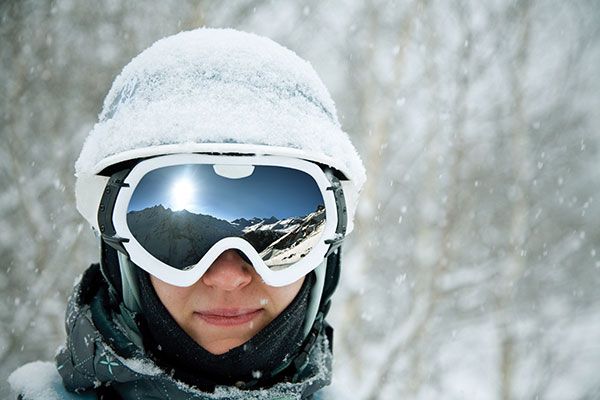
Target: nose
pixel 228 272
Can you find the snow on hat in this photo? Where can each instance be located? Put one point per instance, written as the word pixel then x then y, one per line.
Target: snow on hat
pixel 216 91
pixel 214 86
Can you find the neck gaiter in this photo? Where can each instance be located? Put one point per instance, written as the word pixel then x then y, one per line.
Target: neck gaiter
pixel 176 352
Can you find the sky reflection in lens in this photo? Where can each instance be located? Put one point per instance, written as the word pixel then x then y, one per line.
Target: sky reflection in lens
pixel 269 191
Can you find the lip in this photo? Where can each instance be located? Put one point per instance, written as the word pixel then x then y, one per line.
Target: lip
pixel 228 316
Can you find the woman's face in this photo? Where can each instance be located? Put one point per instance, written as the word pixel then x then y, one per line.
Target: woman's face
pixel 227 306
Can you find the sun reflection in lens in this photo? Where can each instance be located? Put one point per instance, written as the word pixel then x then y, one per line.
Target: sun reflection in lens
pixel 182 194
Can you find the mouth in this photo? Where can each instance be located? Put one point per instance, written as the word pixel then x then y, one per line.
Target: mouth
pixel 228 316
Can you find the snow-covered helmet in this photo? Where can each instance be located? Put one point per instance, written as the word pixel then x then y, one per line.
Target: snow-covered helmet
pixel 217 91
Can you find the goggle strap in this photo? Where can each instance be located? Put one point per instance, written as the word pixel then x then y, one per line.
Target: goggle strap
pixel 335 244
pixel 107 204
pixel 116 243
pixel 342 211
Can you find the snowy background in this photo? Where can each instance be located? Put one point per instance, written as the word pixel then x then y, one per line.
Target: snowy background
pixel 474 269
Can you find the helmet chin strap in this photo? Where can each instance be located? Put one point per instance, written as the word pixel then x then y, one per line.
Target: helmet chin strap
pixel 129 284
pixel 315 297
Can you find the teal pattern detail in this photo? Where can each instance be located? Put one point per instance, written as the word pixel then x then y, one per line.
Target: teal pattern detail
pixel 109 362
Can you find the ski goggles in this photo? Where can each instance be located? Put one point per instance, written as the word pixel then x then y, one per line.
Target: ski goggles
pixel 174 215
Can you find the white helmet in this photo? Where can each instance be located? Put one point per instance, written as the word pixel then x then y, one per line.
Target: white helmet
pixel 216 91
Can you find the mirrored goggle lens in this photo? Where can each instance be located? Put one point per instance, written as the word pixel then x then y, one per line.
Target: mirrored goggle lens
pixel 177 213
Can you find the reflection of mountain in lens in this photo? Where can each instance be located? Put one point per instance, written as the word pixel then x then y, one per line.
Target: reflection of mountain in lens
pixel 181 238
pixel 296 243
pixel 261 232
pixel 177 238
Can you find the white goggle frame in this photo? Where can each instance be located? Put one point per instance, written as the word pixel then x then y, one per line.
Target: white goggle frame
pixel 141 257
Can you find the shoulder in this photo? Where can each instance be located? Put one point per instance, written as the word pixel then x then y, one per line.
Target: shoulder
pixel 41 380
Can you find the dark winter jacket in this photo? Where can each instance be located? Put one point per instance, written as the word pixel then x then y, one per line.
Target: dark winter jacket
pixel 102 361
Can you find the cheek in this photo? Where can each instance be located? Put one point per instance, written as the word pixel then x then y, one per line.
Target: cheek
pixel 281 297
pixel 175 299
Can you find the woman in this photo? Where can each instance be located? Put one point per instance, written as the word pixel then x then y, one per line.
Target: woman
pixel 221 187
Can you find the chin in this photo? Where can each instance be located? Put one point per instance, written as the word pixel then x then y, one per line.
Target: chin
pixel 223 346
